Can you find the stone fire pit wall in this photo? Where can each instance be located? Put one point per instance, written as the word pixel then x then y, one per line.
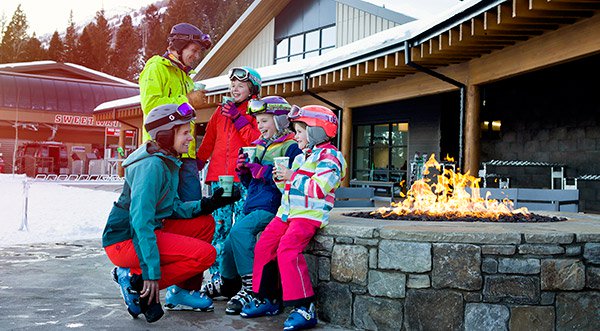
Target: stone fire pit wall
pixel 386 275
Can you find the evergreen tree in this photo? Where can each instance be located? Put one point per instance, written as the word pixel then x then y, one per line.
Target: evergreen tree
pixel 70 43
pixel 33 50
pixel 14 39
pixel 85 48
pixel 101 35
pixel 154 34
pixel 124 59
pixel 56 49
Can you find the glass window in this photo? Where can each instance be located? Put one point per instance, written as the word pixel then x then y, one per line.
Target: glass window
pixel 311 54
pixel 312 40
pixel 328 37
pixel 282 48
pixel 282 60
pixel 296 45
pixel 362 158
pixel 380 152
pixel 296 57
pixel 363 135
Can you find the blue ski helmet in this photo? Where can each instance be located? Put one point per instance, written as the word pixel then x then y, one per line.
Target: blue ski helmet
pixel 245 74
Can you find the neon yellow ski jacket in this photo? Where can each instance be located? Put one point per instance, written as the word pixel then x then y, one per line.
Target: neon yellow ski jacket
pixel 162 82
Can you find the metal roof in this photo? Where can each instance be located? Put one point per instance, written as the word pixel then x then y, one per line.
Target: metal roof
pixel 44 93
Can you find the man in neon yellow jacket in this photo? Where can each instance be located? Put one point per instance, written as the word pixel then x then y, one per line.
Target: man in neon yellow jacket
pixel 166 80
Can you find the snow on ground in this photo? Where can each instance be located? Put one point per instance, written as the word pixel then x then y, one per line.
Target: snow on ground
pixel 55 213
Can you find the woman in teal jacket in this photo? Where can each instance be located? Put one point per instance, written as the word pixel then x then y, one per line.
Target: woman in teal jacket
pixel 155 239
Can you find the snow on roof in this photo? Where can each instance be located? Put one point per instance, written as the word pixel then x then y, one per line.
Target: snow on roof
pixel 119 103
pixel 292 70
pixel 25 64
pixel 392 36
pixel 99 73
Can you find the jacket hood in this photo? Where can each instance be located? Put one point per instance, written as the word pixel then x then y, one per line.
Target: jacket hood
pixel 146 150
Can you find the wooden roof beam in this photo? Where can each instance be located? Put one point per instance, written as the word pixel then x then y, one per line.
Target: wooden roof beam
pixel 520 10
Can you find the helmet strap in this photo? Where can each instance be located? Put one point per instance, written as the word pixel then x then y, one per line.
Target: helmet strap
pixel 165 140
pixel 175 59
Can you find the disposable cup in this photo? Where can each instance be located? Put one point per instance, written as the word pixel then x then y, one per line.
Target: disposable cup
pixel 226 182
pixel 226 99
pixel 199 86
pixel 281 162
pixel 250 151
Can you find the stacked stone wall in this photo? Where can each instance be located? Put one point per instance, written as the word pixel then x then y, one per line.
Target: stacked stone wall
pixel 387 279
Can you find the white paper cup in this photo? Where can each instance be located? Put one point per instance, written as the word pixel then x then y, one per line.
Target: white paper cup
pixel 281 162
pixel 199 86
pixel 226 182
pixel 250 151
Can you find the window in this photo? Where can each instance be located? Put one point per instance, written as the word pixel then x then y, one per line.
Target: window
pixel 380 152
pixel 305 45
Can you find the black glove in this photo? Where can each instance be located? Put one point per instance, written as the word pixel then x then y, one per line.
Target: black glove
pixel 208 205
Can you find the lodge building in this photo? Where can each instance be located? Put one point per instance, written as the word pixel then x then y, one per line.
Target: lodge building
pixel 485 81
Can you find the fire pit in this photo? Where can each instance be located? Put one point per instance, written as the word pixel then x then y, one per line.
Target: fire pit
pixel 451 196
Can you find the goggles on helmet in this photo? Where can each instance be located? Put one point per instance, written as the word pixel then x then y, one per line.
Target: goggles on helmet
pixel 239 73
pixel 298 112
pixel 243 75
pixel 192 37
pixel 184 112
pixel 256 106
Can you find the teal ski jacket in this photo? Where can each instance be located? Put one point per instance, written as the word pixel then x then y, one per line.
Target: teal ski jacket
pixel 149 196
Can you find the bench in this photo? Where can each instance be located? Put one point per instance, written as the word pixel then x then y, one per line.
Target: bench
pixel 376 184
pixel 537 199
pixel 354 197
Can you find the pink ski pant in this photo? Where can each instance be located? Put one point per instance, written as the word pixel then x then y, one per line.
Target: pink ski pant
pixel 286 241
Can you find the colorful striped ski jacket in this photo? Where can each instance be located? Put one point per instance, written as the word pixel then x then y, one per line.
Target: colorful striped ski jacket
pixel 310 192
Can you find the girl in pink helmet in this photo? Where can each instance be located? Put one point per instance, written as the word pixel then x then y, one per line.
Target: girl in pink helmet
pixel 307 198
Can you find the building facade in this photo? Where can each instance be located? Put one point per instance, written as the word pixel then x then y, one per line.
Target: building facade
pixel 51 104
pixel 486 80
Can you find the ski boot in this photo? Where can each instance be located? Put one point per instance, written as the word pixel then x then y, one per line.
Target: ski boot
pixel 180 299
pixel 132 297
pixel 265 307
pixel 301 318
pixel 237 302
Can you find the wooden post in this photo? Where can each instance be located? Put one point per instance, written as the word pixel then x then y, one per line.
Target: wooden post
pixel 347 141
pixel 472 130
pixel 122 140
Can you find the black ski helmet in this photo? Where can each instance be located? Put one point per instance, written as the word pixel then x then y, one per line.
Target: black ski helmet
pixel 184 33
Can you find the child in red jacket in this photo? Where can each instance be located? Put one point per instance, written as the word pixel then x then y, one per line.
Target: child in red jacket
pixel 229 128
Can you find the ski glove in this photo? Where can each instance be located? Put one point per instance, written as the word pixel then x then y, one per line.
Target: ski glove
pixel 257 170
pixel 217 200
pixel 230 111
pixel 240 166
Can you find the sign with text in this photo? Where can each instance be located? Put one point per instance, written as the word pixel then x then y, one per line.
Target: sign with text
pixel 114 132
pixel 83 120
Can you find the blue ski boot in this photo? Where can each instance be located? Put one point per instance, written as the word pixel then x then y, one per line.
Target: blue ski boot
pixel 180 299
pixel 132 297
pixel 265 307
pixel 301 318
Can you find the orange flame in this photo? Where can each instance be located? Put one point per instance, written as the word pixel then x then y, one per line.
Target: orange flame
pixel 449 197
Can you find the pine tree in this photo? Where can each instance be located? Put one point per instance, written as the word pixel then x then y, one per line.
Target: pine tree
pixel 124 59
pixel 33 50
pixel 85 48
pixel 154 34
pixel 56 48
pixel 70 43
pixel 101 35
pixel 15 38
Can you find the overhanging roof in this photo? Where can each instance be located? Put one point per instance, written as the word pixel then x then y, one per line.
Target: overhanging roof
pixel 58 94
pixel 465 32
pixel 65 70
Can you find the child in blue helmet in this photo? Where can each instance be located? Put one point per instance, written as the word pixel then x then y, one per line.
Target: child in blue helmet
pixel 263 196
pixel 229 128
